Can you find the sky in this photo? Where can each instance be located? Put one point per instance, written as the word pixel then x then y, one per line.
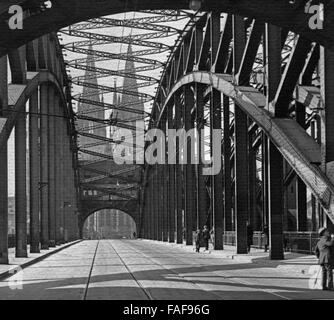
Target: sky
pixel 112 65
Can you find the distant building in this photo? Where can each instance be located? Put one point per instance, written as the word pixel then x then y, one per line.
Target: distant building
pixel 109 224
pixel 106 223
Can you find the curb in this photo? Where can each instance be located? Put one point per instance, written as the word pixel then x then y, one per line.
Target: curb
pixel 15 268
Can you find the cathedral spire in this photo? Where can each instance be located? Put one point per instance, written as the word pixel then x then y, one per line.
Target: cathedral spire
pixel 130 84
pixel 91 94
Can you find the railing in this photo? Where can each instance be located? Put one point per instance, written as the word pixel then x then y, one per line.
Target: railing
pixel 302 242
pixel 229 238
pixel 299 242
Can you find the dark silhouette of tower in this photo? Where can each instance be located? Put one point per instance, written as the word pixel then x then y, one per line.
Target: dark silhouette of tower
pixel 92 111
pixel 133 101
pixel 130 84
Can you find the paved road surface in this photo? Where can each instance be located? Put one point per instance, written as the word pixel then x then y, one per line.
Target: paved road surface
pixel 135 269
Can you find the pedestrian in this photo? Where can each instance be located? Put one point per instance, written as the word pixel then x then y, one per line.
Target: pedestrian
pixel 206 237
pixel 249 236
pixel 198 239
pixel 134 235
pixel 265 233
pixel 324 251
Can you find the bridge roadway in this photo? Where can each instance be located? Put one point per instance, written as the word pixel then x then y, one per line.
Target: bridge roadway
pixel 145 270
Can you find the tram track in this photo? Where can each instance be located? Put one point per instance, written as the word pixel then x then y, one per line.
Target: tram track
pixel 230 277
pixel 146 292
pixel 90 272
pixel 226 275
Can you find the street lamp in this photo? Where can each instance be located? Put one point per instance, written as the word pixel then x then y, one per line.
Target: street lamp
pixel 195 5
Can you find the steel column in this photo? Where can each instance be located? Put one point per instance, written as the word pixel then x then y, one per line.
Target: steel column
pixel 3 168
pixel 155 202
pixel 164 185
pixel 252 182
pixel 70 200
pixel 227 165
pixel 301 204
pixel 44 166
pixel 178 174
pixel 3 206
pixel 240 146
pixel 74 226
pixel 146 211
pixel 217 180
pixel 327 116
pixel 34 173
pixel 51 171
pixel 241 179
pixel 21 186
pixel 190 183
pixel 65 181
pixel 265 178
pixel 275 159
pixel 200 178
pixel 58 172
pixel 152 204
pixel 159 183
pixel 275 203
pixel 62 137
pixel 171 184
pixel 165 202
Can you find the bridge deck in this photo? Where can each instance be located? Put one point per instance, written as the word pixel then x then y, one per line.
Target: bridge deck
pixel 144 270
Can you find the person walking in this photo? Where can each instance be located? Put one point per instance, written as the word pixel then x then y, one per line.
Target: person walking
pixel 265 233
pixel 249 236
pixel 206 237
pixel 324 251
pixel 198 238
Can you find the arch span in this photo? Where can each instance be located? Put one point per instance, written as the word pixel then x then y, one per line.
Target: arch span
pixel 106 230
pixel 88 207
pixel 283 13
pixel 19 94
pixel 297 147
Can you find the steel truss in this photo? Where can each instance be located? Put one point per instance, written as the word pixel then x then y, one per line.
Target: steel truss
pixel 251 82
pixel 147 38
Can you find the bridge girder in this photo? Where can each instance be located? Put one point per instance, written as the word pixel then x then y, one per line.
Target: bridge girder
pixel 210 72
pixel 283 13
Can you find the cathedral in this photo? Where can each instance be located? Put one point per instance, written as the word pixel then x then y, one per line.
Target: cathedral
pixel 107 223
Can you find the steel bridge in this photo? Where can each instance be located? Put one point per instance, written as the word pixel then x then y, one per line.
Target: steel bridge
pixel 252 75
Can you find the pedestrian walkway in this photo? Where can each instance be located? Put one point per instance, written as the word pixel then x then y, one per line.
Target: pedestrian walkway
pixel 148 270
pixel 293 262
pixel 16 263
